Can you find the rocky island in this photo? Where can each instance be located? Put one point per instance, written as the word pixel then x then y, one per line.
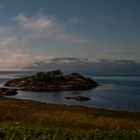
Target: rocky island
pixel 52 81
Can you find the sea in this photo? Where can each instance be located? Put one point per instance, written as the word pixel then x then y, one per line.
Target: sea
pixel 118 91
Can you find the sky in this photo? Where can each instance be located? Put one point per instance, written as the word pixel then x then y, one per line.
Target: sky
pixel 40 30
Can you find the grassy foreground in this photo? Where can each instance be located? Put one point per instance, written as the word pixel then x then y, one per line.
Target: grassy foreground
pixel 21 119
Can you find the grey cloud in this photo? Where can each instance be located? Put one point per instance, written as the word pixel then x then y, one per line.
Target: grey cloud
pixel 41 25
pixel 102 66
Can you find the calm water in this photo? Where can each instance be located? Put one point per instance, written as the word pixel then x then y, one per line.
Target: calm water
pixel 120 92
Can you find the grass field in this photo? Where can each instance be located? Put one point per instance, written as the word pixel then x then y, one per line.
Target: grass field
pixel 21 133
pixel 21 119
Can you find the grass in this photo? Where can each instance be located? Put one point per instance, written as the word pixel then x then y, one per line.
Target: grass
pixel 20 133
pixel 21 118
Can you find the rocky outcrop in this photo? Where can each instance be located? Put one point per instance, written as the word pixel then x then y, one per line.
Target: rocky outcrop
pixel 53 81
pixel 7 91
pixel 78 98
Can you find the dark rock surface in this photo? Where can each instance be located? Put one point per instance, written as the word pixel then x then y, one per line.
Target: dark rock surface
pixel 78 98
pixel 7 91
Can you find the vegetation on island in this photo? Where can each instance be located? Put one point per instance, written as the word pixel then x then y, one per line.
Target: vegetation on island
pixel 53 81
pixel 28 120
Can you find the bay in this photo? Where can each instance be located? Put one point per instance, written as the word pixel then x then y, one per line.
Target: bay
pixel 117 91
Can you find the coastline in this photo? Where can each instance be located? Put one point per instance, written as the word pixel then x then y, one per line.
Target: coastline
pixel 26 119
pixel 73 105
pixel 89 114
pixel 116 93
pixel 35 119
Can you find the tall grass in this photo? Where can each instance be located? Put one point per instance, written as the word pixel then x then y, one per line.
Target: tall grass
pixel 27 120
pixel 21 133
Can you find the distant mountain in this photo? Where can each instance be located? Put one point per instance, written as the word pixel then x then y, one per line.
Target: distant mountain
pixel 84 65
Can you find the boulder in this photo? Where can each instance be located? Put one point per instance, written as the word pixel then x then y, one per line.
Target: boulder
pixel 7 91
pixel 78 98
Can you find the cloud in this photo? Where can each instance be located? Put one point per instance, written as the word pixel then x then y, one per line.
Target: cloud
pixel 68 60
pixel 4 30
pixel 18 58
pixel 41 25
pixel 14 59
pixel 8 41
pixel 103 66
pixel 39 22
pixel 124 54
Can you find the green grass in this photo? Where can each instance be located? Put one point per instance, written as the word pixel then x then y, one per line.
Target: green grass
pixel 21 133
pixel 21 119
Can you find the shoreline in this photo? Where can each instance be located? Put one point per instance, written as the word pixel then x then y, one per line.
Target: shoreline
pixel 8 99
pixel 23 116
pixel 122 112
pixel 68 105
pixel 120 104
